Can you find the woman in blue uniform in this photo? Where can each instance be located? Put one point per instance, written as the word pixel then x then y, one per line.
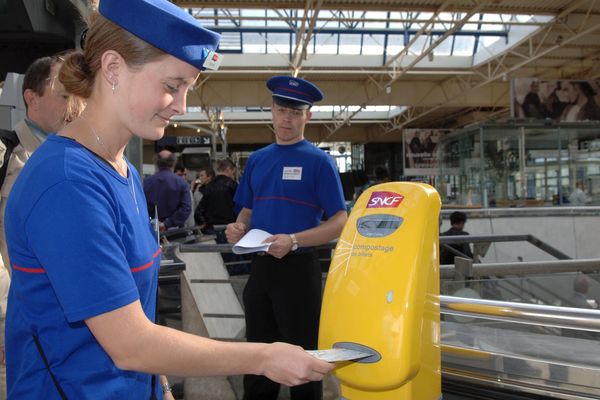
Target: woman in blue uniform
pixel 286 189
pixel 85 259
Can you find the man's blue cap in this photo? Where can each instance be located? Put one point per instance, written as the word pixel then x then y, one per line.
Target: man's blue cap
pixel 293 92
pixel 167 27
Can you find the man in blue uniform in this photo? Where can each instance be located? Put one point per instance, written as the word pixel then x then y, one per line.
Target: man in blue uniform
pixel 286 189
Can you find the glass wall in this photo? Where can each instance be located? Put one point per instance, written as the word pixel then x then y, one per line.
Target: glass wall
pixel 521 165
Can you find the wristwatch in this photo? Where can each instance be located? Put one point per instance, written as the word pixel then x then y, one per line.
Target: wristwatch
pixel 294 242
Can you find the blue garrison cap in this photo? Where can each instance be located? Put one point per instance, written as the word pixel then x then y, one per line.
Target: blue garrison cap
pixel 167 27
pixel 293 92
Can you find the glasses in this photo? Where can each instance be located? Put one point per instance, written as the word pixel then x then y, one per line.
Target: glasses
pixel 293 113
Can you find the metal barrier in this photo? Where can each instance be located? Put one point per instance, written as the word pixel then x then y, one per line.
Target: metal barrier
pixel 446 240
pixel 525 212
pixel 465 269
pixel 546 351
pixel 522 313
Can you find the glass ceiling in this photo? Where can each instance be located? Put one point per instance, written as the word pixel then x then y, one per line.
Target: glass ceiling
pixel 251 31
pixel 319 112
pixel 374 35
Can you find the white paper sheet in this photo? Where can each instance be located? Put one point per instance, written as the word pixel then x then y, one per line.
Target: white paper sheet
pixel 252 242
pixel 334 355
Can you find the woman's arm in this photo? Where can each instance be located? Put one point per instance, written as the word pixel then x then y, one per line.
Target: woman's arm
pixel 134 343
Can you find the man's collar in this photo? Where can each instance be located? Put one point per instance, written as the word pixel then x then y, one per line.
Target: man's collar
pixel 35 129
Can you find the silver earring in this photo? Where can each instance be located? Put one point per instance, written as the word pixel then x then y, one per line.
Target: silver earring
pixel 114 87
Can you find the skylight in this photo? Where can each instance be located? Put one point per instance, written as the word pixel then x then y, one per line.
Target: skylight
pixel 370 33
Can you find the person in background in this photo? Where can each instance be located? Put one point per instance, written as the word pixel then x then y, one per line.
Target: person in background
pixel 48 109
pixel 82 303
pixel 458 220
pixel 181 171
pixel 204 177
pixel 168 192
pixel 579 196
pixel 217 206
pixel 286 189
pixel 581 287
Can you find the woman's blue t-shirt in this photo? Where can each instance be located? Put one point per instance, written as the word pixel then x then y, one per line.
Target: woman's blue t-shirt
pixel 80 244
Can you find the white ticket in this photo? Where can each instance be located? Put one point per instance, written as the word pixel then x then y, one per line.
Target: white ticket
pixel 334 355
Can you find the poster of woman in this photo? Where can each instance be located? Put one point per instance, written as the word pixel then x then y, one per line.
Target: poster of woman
pixel 559 100
pixel 420 151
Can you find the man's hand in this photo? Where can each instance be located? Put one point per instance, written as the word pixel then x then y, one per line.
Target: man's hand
pixel 235 231
pixel 281 245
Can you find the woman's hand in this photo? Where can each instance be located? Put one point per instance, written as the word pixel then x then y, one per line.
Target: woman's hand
pixel 291 365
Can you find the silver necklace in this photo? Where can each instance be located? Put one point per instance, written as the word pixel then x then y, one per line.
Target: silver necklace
pixel 114 161
pixel 132 189
pixel 120 168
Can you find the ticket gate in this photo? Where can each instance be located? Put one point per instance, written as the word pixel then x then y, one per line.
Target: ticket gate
pixel 382 295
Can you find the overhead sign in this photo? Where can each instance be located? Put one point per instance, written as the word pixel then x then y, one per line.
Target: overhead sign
pixel 194 140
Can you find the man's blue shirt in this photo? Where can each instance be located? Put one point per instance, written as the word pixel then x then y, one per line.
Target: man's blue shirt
pixel 290 187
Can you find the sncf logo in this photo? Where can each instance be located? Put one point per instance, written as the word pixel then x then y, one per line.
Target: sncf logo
pixel 385 200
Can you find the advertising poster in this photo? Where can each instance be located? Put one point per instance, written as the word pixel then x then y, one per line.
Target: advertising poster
pixel 421 151
pixel 559 100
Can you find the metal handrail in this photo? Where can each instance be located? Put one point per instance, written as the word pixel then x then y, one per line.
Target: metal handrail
pixel 525 268
pixel 499 212
pixel 226 247
pixel 205 248
pixel 505 238
pixel 522 313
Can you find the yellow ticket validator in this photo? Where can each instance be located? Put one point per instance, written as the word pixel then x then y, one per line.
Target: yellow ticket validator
pixel 382 295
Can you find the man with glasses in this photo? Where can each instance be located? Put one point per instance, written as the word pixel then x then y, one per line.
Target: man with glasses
pixel 286 189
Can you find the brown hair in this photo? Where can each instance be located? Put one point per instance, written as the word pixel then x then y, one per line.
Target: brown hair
pixel 38 73
pixel 80 68
pixel 224 164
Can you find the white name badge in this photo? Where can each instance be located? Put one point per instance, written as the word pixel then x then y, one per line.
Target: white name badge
pixel 292 173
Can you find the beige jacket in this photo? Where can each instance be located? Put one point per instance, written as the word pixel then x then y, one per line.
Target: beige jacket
pixel 28 143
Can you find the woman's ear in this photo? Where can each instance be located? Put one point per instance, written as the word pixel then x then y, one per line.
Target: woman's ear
pixel 111 64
